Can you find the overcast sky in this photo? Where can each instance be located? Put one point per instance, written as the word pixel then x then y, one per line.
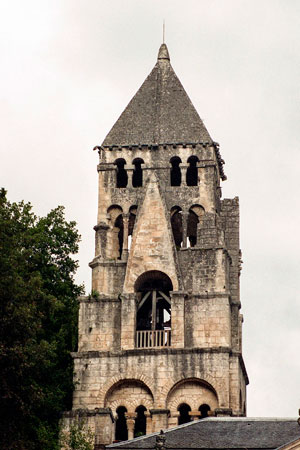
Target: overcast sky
pixel 69 68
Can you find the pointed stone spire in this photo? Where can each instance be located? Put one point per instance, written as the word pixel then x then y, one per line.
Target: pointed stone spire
pixel 163 52
pixel 159 113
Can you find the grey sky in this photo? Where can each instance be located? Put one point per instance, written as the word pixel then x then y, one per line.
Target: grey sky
pixel 69 68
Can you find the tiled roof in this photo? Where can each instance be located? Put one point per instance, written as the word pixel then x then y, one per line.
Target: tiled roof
pixel 223 433
pixel 159 113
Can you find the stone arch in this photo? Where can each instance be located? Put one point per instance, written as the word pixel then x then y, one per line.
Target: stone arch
pixel 152 277
pixel 176 225
pixel 115 233
pixel 172 401
pixel 122 177
pixel 192 171
pixel 132 375
pixel 195 216
pixel 129 393
pixel 175 173
pixel 192 391
pixel 137 174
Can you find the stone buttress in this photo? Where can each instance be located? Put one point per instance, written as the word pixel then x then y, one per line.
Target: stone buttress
pixel 160 335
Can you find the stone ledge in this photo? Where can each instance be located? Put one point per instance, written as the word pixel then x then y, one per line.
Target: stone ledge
pixel 153 351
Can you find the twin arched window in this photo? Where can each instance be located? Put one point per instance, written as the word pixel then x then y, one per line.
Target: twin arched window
pixel 175 172
pixel 184 226
pixel 121 430
pixel 122 176
pixel 184 412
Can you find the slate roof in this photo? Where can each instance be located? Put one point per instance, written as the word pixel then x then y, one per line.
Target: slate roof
pixel 159 113
pixel 223 433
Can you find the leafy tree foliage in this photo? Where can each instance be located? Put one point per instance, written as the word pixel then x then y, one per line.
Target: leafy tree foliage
pixel 78 437
pixel 38 323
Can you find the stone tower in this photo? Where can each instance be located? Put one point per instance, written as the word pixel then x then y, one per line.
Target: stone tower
pixel 160 336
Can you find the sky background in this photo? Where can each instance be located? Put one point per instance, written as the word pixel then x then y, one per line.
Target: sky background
pixel 69 68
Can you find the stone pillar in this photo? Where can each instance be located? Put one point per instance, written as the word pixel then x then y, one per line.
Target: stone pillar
pixel 125 237
pixel 183 169
pixel 130 422
pixel 173 420
pixel 148 423
pixel 128 321
pixel 177 319
pixel 184 228
pixel 100 238
pixel 129 169
pixel 159 419
pixel 195 415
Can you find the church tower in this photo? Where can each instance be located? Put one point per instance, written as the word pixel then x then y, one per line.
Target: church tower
pixel 160 338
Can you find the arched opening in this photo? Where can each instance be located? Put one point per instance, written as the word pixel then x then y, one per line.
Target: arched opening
pixel 115 234
pixel 131 222
pixel 121 433
pixel 192 228
pixel 175 173
pixel 153 320
pixel 184 416
pixel 122 177
pixel 176 224
pixel 204 409
pixel 119 228
pixel 196 213
pixel 192 171
pixel 140 421
pixel 137 175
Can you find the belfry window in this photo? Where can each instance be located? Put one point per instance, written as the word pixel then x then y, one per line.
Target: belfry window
pixel 184 416
pixel 132 216
pixel 176 224
pixel 119 227
pixel 192 171
pixel 204 409
pixel 140 421
pixel 137 175
pixel 195 216
pixel 153 320
pixel 121 425
pixel 122 178
pixel 175 173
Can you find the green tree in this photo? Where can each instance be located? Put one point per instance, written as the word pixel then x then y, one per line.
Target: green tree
pixel 78 437
pixel 38 323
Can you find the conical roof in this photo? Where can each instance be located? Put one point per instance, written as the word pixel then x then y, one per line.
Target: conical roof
pixel 159 113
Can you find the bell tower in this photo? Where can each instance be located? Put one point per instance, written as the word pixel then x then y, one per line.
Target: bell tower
pixel 160 338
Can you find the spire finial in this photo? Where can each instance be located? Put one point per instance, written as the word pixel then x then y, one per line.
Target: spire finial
pixel 163 52
pixel 164 30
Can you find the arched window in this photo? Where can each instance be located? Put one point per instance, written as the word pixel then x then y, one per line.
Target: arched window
pixel 122 178
pixel 132 216
pixel 137 175
pixel 204 410
pixel 153 321
pixel 184 416
pixel 176 224
pixel 121 425
pixel 119 227
pixel 140 421
pixel 175 174
pixel 195 216
pixel 192 171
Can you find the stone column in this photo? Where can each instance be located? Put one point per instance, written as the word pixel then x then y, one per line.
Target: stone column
pixel 148 423
pixel 125 237
pixel 177 319
pixel 129 169
pixel 159 419
pixel 183 169
pixel 130 422
pixel 173 420
pixel 184 228
pixel 195 415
